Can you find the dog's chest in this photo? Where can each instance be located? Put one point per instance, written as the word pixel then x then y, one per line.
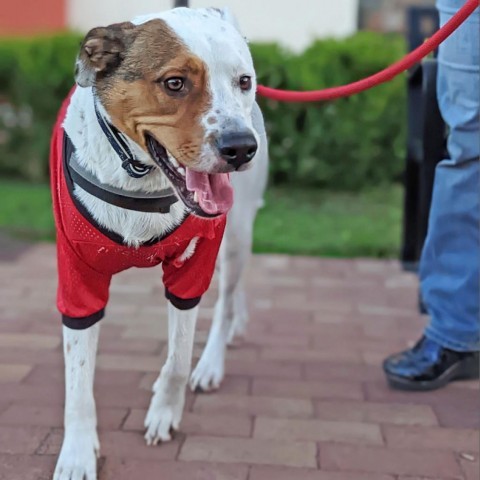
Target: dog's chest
pixel 134 227
pixel 95 154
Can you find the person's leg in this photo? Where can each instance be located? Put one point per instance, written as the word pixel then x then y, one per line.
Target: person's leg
pixel 449 267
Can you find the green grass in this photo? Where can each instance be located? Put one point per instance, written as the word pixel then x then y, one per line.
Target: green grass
pixel 294 220
pixel 312 222
pixel 26 210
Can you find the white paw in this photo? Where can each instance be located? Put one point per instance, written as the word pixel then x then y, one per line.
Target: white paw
pixel 163 417
pixel 78 457
pixel 209 372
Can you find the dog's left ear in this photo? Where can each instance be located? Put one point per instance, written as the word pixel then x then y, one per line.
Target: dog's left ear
pixel 226 14
pixel 102 50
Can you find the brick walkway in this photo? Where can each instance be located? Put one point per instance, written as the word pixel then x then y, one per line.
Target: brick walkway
pixel 304 398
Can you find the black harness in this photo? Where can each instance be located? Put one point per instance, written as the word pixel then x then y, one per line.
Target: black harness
pixel 155 202
pixel 135 168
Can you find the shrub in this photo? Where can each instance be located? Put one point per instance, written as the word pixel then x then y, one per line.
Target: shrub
pixel 347 144
pixel 35 75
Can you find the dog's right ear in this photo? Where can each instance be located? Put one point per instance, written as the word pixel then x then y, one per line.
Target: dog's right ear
pixel 102 51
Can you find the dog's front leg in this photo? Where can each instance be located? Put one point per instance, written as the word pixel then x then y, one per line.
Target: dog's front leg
pixel 168 399
pixel 230 314
pixel 80 449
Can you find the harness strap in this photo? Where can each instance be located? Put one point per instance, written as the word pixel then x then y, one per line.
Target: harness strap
pixel 156 202
pixel 135 168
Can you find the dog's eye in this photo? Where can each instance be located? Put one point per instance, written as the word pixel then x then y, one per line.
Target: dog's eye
pixel 245 83
pixel 174 84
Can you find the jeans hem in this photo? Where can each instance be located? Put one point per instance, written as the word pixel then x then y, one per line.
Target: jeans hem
pixel 456 346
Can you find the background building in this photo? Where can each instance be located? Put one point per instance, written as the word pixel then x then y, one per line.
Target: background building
pixel 32 16
pixel 292 22
pixel 387 15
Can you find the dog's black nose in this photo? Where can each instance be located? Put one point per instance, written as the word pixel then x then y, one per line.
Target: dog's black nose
pixel 237 148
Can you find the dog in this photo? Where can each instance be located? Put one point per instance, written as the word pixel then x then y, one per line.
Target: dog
pixel 144 162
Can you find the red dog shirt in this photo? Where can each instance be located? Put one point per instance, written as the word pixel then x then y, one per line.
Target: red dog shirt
pixel 88 256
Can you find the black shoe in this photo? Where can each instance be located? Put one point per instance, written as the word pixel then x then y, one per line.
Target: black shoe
pixel 428 366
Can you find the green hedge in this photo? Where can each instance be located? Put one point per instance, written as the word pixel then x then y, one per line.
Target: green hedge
pixel 35 75
pixel 347 144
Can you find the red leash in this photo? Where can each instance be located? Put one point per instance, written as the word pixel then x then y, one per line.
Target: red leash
pixel 381 77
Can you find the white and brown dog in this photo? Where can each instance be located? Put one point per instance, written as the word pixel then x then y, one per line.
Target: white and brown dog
pixel 163 111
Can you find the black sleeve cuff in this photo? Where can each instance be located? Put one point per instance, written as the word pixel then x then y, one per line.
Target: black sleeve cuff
pixel 182 303
pixel 82 323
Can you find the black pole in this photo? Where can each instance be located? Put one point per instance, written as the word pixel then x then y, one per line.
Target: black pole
pixel 180 3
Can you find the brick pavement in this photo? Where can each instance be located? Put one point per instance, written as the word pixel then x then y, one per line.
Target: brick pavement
pixel 304 397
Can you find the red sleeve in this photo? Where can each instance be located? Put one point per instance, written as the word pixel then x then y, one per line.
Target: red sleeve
pixel 82 292
pixel 187 280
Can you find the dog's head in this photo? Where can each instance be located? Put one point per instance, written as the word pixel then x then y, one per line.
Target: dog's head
pixel 180 84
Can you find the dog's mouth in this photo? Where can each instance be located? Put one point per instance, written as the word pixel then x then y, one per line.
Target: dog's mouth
pixel 205 194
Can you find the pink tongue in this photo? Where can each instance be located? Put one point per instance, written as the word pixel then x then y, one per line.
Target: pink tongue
pixel 215 194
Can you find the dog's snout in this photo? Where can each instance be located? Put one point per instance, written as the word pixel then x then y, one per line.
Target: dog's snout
pixel 237 148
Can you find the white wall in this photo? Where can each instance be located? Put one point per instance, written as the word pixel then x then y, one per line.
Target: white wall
pixel 85 14
pixel 292 22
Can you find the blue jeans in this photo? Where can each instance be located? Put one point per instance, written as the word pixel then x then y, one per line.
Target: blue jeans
pixel 449 267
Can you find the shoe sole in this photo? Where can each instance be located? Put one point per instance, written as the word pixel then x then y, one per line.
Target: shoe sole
pixel 465 370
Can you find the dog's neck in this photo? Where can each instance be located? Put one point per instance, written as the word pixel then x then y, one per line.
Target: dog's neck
pixel 95 154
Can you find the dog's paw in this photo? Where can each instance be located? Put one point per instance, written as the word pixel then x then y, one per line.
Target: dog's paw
pixel 78 457
pixel 209 372
pixel 162 419
pixel 165 411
